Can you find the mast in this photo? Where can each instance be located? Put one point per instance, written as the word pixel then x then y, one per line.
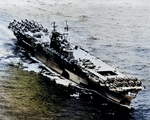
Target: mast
pixel 66 28
pixel 54 26
pixel 52 36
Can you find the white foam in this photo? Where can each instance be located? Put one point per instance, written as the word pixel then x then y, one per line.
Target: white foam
pixel 32 67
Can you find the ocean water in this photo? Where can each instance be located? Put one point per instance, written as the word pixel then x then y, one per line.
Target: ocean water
pixel 117 31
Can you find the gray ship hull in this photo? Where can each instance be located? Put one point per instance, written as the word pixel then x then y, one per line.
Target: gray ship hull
pixel 102 91
pixel 75 63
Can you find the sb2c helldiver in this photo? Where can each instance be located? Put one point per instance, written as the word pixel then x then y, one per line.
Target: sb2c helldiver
pixel 75 63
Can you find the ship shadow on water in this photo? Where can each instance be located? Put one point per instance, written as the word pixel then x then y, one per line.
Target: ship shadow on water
pixel 104 110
